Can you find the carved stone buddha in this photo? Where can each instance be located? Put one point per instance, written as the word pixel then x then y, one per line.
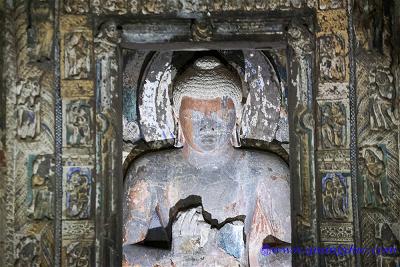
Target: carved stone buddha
pixel 208 203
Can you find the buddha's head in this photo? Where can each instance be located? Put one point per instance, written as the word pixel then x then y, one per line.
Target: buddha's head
pixel 207 106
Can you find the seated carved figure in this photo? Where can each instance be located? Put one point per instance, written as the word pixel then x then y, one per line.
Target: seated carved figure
pixel 207 204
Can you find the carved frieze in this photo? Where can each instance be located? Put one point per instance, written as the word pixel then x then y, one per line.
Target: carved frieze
pixel 76 6
pixel 336 232
pixel 77 196
pixel 330 4
pixel 373 171
pixel 333 91
pixel 333 130
pixel 334 160
pixel 78 123
pixel 27 108
pixel 73 229
pixel 77 88
pixel 40 196
pixel 111 6
pixel 332 62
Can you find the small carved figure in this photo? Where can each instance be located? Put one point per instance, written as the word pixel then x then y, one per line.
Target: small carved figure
pixel 28 108
pixel 381 101
pixel 78 255
pixel 42 196
pixel 333 125
pixel 209 203
pixel 77 56
pixel 334 196
pixel 78 192
pixel 374 177
pixel 332 62
pixel 40 30
pixel 78 123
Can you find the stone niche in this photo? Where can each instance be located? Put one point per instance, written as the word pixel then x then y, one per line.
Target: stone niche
pixel 219 206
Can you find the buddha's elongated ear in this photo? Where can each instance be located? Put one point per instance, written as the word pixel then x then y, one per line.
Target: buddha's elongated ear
pixel 235 139
pixel 180 138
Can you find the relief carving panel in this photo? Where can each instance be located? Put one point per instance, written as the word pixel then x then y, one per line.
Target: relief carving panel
pixel 383 114
pixel 373 170
pixel 77 53
pixel 77 196
pixel 78 123
pixel 78 254
pixel 334 129
pixel 335 196
pixel 40 196
pixel 27 108
pixel 332 61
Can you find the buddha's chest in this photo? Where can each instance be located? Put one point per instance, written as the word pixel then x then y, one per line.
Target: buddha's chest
pixel 222 197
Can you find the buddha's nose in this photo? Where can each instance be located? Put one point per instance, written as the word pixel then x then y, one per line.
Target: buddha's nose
pixel 207 125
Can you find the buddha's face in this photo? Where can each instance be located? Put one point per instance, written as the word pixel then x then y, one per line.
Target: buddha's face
pixel 207 125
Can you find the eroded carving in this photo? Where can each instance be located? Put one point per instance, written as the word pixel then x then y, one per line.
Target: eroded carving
pixel 28 251
pixel 77 192
pixel 343 260
pixel 40 193
pixel 77 55
pixel 107 39
pixel 41 30
pixel 387 235
pixel 382 111
pixel 201 30
pixel 373 171
pixel 28 108
pixel 332 63
pixel 78 254
pixel 335 196
pixel 78 123
pixel 333 125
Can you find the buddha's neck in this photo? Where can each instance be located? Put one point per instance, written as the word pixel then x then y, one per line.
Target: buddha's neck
pixel 209 159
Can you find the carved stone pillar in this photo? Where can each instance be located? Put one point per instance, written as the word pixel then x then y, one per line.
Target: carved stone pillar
pixel 108 145
pixel 301 119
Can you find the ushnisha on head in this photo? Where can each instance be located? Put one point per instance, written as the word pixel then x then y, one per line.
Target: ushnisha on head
pixel 211 88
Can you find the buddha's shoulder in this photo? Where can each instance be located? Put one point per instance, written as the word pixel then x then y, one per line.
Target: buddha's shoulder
pixel 155 162
pixel 263 159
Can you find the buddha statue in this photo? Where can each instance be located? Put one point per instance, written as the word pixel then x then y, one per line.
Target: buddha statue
pixel 208 203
